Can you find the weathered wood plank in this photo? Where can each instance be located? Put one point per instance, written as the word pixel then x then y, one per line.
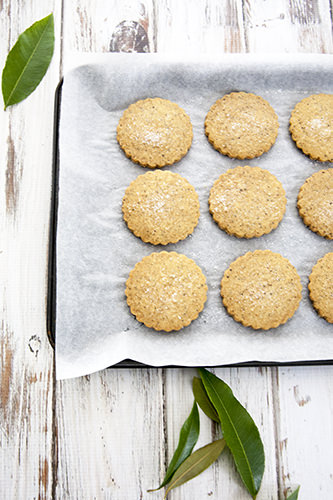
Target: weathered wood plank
pixel 305 431
pixel 303 449
pixel 114 446
pixel 253 388
pixel 110 430
pixel 288 26
pixel 90 25
pixel 213 27
pixel 265 22
pixel 311 23
pixel 26 358
pixel 193 27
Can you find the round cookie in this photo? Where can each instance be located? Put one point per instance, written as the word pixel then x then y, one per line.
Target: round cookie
pixel 315 203
pixel 311 126
pixel 261 289
pixel 321 287
pixel 166 291
pixel 154 132
pixel 241 125
pixel 247 202
pixel 161 207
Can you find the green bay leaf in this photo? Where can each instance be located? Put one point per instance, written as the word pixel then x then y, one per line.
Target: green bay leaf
pixel 294 495
pixel 28 60
pixel 239 431
pixel 203 400
pixel 196 463
pixel 188 437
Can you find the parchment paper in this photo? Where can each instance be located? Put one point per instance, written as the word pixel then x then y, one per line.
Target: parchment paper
pixel 96 251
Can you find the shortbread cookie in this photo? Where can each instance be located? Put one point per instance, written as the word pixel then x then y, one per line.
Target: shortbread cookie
pixel 321 287
pixel 155 132
pixel 247 201
pixel 311 126
pixel 241 125
pixel 261 289
pixel 166 291
pixel 315 203
pixel 161 207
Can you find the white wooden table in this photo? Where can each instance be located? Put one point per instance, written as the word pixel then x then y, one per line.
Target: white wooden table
pixel 110 435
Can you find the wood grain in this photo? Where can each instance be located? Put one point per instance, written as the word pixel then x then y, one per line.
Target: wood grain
pixel 288 26
pixel 202 26
pixel 110 426
pixel 111 434
pixel 26 374
pixel 304 429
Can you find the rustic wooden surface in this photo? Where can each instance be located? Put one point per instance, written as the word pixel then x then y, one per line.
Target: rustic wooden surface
pixel 111 434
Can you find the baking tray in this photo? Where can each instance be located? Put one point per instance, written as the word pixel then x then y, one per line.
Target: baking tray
pixel 52 274
pixel 52 264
